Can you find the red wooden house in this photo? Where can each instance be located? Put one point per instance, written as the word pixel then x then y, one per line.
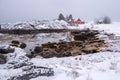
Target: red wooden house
pixel 72 22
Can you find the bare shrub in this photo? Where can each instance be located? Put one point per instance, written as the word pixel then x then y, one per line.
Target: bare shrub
pixel 89 77
pixel 103 20
pixel 113 65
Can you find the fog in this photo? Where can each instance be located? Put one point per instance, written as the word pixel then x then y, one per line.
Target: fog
pixel 27 10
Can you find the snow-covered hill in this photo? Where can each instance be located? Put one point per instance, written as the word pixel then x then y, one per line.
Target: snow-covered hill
pixel 53 24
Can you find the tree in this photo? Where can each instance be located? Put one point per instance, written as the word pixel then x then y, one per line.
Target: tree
pixel 70 17
pixel 103 20
pixel 61 17
pixel 106 20
pixel 0 26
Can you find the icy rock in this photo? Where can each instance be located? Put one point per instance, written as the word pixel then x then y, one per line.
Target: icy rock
pixel 18 56
pixel 30 72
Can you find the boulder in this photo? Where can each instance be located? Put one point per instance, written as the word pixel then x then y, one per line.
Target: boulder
pixel 15 43
pixel 2 59
pixel 38 49
pixel 23 45
pixel 8 50
pixel 18 44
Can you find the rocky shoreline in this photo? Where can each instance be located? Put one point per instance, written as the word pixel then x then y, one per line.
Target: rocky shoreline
pixel 85 42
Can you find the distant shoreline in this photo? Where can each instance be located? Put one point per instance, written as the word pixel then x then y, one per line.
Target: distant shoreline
pixel 23 31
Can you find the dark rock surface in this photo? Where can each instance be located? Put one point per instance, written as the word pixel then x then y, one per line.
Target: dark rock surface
pixel 84 35
pixel 7 50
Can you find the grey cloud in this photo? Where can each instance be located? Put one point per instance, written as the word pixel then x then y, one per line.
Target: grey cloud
pixel 22 10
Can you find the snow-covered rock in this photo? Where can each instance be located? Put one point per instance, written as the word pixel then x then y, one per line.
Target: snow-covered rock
pixel 53 24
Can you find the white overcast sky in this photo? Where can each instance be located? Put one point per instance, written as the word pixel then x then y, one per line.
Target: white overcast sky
pixel 25 10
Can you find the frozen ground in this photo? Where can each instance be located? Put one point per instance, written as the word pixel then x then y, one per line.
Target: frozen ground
pixel 104 65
